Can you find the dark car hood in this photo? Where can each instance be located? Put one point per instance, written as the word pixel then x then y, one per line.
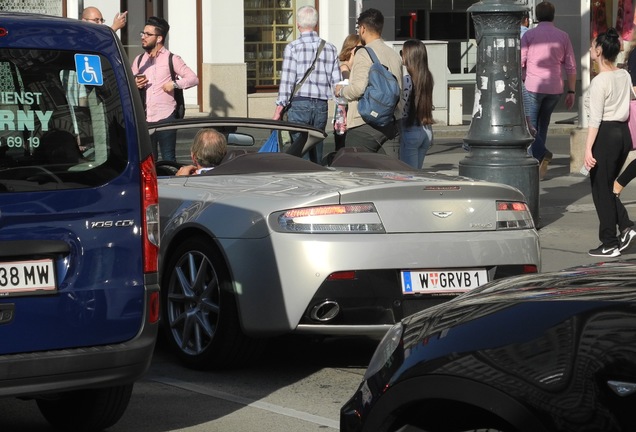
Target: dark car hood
pixel 571 291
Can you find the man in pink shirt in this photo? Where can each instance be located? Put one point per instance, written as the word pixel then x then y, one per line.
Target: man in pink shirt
pixel 545 52
pixel 153 79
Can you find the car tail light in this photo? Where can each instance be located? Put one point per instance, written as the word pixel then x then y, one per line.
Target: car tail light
pixel 151 215
pixel 513 215
pixel 347 218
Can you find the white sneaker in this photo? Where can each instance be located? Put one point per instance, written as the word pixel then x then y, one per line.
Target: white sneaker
pixel 626 238
pixel 603 251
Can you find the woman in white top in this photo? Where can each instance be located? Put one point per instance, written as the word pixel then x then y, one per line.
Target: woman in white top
pixel 608 142
pixel 416 134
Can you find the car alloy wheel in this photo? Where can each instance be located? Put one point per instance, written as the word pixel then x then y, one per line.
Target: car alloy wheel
pixel 199 310
pixel 193 302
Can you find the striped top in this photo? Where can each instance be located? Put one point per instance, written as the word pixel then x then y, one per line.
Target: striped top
pixel 297 59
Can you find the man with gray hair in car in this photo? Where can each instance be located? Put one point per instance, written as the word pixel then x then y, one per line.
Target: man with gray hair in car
pixel 207 151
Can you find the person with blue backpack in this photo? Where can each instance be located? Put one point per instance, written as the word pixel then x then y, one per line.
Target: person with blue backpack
pixel 374 87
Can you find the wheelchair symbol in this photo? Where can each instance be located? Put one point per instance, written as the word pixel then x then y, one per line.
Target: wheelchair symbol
pixel 88 74
pixel 89 69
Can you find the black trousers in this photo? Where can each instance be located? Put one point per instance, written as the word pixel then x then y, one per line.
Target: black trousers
pixel 610 150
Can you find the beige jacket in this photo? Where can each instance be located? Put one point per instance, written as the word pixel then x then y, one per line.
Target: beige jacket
pixel 359 78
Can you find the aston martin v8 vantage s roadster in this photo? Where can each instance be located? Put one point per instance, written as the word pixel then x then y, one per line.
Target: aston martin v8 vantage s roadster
pixel 270 243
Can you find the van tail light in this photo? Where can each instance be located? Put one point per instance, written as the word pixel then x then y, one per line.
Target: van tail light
pixel 150 207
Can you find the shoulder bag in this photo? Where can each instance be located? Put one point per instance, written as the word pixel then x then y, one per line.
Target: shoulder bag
pixel 178 93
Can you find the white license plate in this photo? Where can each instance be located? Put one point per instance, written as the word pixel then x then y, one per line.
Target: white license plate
pixel 442 281
pixel 20 277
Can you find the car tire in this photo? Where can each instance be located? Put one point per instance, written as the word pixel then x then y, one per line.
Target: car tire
pixel 200 315
pixel 90 410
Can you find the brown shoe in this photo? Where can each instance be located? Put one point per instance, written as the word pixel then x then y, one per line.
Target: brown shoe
pixel 543 166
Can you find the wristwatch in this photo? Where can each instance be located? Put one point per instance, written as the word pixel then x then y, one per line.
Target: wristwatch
pixel 571 92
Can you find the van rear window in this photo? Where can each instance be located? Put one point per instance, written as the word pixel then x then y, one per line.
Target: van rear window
pixel 61 121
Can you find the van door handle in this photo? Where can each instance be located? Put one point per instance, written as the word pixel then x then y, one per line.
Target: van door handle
pixel 33 247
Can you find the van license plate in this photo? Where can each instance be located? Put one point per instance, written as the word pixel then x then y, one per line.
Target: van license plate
pixel 442 281
pixel 27 277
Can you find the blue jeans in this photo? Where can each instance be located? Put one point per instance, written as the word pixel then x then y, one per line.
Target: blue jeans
pixel 539 108
pixel 312 112
pixel 166 141
pixel 414 143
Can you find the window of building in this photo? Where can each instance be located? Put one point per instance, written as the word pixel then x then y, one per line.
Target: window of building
pixel 269 27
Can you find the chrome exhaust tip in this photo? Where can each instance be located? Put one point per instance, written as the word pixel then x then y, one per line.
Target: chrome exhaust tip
pixel 325 311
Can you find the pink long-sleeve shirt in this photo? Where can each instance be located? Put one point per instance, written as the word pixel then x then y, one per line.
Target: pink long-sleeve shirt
pixel 160 104
pixel 546 52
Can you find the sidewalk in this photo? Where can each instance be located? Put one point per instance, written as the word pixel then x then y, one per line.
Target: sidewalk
pixel 561 124
pixel 568 225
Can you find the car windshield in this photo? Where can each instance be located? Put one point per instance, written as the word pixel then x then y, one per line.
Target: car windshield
pixel 58 129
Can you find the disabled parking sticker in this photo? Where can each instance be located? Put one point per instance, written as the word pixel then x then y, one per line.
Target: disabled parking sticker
pixel 89 69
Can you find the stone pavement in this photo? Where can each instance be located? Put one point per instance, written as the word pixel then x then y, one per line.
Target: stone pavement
pixel 568 225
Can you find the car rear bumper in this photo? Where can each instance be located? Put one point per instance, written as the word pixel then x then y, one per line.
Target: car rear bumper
pixel 277 278
pixel 369 302
pixel 32 374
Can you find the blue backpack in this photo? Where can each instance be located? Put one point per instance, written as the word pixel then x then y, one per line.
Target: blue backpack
pixel 377 104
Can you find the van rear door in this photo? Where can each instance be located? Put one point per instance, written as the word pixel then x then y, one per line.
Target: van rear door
pixel 71 219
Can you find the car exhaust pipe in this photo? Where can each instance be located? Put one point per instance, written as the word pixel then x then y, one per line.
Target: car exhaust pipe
pixel 325 311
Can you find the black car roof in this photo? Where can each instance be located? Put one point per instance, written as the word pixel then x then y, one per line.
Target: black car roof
pixel 265 162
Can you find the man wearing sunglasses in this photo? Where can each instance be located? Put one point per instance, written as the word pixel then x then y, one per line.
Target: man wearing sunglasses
pixel 157 85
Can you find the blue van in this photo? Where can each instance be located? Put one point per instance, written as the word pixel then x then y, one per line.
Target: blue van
pixel 79 293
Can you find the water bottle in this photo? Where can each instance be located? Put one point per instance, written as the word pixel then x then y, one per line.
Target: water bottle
pixel 340 115
pixel 339 123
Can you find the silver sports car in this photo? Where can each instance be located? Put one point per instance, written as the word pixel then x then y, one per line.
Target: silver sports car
pixel 271 243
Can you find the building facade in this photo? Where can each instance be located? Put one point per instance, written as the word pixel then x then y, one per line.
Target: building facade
pixel 236 47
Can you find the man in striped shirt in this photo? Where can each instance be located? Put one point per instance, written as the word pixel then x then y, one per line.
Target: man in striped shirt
pixel 309 104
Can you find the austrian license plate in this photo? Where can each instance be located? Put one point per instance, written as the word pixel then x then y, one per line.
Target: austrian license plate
pixel 27 277
pixel 442 281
